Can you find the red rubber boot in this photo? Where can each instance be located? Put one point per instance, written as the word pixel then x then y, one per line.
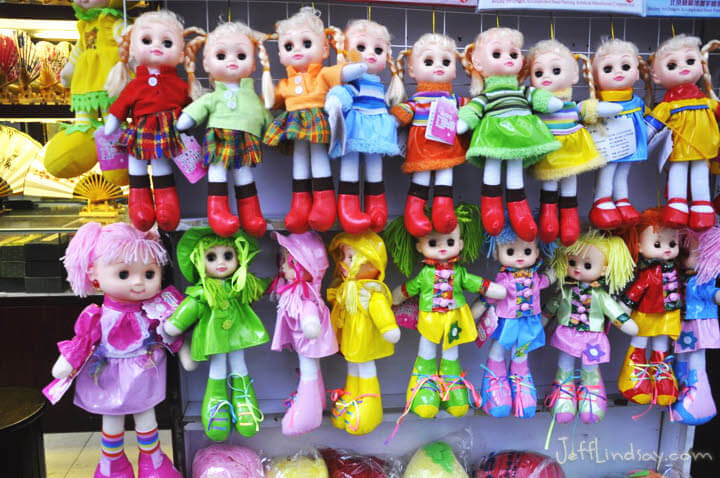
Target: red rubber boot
pixel 249 210
pixel 549 222
pixel 352 219
pixel 223 222
pixel 416 222
pixel 140 203
pixel 443 210
pixel 569 220
pixel 167 204
pixel 323 211
pixel 520 214
pixel 491 207
pixel 296 220
pixel 376 205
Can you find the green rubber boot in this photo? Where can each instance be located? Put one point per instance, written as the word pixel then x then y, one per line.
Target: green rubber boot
pixel 216 412
pixel 456 400
pixel 426 402
pixel 248 413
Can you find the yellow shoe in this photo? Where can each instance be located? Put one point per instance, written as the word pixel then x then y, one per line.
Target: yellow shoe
pixel 365 412
pixel 634 381
pixel 70 155
pixel 341 404
pixel 425 402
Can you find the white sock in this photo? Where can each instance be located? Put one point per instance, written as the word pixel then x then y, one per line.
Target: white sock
pixel 444 177
pixel 350 167
pixel 373 167
pixel 319 161
pixel 301 160
pixel 514 174
pixel 604 184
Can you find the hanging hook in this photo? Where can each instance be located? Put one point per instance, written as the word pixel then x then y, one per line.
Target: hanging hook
pixel 369 12
pixel 612 27
pixel 672 27
pixel 229 11
pixel 433 20
pixel 497 20
pixel 552 27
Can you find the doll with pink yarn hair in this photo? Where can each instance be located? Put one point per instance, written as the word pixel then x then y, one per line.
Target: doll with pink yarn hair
pixel 117 355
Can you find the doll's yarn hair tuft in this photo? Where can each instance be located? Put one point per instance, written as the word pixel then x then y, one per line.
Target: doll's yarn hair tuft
pixel 708 248
pixel 651 217
pixel 94 242
pixel 476 77
pixel 610 46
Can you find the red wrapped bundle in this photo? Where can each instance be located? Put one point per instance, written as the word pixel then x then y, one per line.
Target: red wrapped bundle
pixel 518 464
pixel 345 465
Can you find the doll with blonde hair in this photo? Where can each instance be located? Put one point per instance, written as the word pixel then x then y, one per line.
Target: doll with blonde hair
pixel 690 116
pixel 499 110
pixel 371 132
pixel 303 46
pixel 236 120
pixel 553 67
pixel 431 62
pixel 153 99
pixel 616 67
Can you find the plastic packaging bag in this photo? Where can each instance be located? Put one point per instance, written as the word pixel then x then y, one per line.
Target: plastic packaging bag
pixel 306 464
pixel 518 464
pixel 445 458
pixel 227 461
pixel 346 464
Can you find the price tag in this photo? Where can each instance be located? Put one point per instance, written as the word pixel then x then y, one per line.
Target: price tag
pixel 615 137
pixel 442 121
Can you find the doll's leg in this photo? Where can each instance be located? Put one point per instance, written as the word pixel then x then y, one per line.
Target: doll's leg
pixel 702 214
pixel 140 201
pixel 496 394
pixel 519 211
pixel 242 396
pixel 248 204
pixel 522 386
pixel 217 412
pixel 666 387
pixel 296 219
pixel 416 222
pixel 455 399
pixel 423 392
pixel 604 214
pixel 167 205
pixel 549 218
pixel 569 217
pixel 365 412
pixel 113 461
pixel 323 212
pixel 305 413
pixel 352 218
pixel 491 205
pixel 591 394
pixel 621 195
pixel 152 462
pixel 634 381
pixel 675 213
pixel 223 222
pixel 563 396
pixel 375 202
pixel 443 209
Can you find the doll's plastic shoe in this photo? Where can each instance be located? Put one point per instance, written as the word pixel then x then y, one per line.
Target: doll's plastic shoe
pixel 455 397
pixel 141 208
pixel 628 213
pixel 416 222
pixel 217 412
pixel 493 217
pixel 605 218
pixel 496 394
pixel 674 217
pixel 695 405
pixel 167 208
pixel 522 388
pixel 569 225
pixel 296 220
pixel 664 382
pixel 701 220
pixel 221 220
pixel 376 208
pixel 423 392
pixel 251 216
pixel 522 220
pixel 323 212
pixel 549 223
pixel 365 412
pixel 119 468
pixel 352 219
pixel 592 399
pixel 305 413
pixel 341 405
pixel 247 412
pixel 634 381
pixel 147 468
pixel 444 220
pixel 563 398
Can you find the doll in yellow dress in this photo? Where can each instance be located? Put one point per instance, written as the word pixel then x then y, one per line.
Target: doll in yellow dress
pixel 365 324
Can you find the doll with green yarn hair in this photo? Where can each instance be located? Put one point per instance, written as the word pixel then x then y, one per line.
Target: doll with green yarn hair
pixel 444 316
pixel 225 325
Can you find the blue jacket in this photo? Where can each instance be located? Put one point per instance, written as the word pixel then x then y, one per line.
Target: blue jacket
pixel 700 300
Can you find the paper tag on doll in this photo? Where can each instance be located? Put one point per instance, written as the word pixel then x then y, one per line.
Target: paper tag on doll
pixel 164 304
pixel 57 388
pixel 338 139
pixel 614 138
pixel 486 325
pixel 406 314
pixel 442 121
pixel 660 147
pixel 109 157
pixel 190 161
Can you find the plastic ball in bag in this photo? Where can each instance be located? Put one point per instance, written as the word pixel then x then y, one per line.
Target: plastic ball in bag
pixel 518 464
pixel 227 461
pixel 345 465
pixel 298 466
pixel 435 460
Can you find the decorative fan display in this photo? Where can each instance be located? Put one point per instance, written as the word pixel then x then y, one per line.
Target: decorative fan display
pixel 8 60
pixel 52 60
pixel 17 151
pixel 29 62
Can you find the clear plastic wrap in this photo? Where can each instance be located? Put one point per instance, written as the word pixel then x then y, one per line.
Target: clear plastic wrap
pixel 518 464
pixel 446 458
pixel 227 461
pixel 346 464
pixel 304 464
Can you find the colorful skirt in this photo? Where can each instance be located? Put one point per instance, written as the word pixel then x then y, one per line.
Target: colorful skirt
pixel 524 334
pixel 424 154
pixel 309 125
pixel 152 137
pixel 577 155
pixel 369 134
pixel 592 347
pixel 452 328
pixel 651 325
pixel 232 148
pixel 698 334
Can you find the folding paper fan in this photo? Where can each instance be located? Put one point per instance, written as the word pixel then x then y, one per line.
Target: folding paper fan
pixel 8 60
pixel 17 151
pixel 29 62
pixel 52 60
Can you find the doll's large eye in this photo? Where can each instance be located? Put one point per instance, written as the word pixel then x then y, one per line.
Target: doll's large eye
pixel 528 251
pixel 146 40
pixel 220 56
pixel 608 69
pixel 242 56
pixel 556 71
pixel 446 62
pixel 149 274
pixel 510 251
pixel 514 55
pixel 123 275
pixel 671 66
pixel 572 263
pixel 360 47
pixel 450 242
pixel 626 67
pixel 587 266
pixel 657 245
pixel 210 257
pixel 288 46
pixel 672 244
pixel 307 43
pixel 428 62
pixel 690 61
pixel 432 243
pixel 228 256
pixel 538 73
pixel 167 43
pixel 378 51
pixel 496 54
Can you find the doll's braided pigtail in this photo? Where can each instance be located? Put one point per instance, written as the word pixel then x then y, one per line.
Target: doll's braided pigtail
pixel 707 76
pixel 119 75
pixel 646 77
pixel 191 50
pixel 337 40
pixel 587 74
pixel 477 85
pixel 266 82
pixel 396 90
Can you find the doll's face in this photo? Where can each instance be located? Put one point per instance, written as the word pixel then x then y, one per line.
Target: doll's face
pixel 553 72
pixel 518 254
pixel 87 4
pixel 301 47
pixel 127 282
pixel 229 59
pixel 372 48
pixel 496 56
pixel 287 270
pixel 156 44
pixel 677 67
pixel 366 271
pixel 439 246
pixel 220 262
pixel 663 244
pixel 589 266
pixel 432 64
pixel 616 71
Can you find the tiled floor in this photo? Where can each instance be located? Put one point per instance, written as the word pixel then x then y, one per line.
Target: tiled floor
pixel 75 455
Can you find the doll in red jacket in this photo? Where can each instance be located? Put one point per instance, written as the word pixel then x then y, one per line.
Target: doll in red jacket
pixel 154 100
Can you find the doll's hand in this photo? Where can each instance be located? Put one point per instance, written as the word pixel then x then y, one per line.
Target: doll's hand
pixel 184 122
pixel 310 326
pixel 332 105
pixel 353 71
pixel 62 368
pixel 554 104
pixel 392 335
pixel 170 329
pixel 625 308
pixel 398 296
pixel 478 308
pixel 606 109
pixel 111 124
pixel 186 358
pixel 66 74
pixel 461 127
pixel 630 327
pixel 496 291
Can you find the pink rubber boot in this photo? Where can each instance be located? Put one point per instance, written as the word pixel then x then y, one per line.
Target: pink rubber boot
pixel 496 397
pixel 305 414
pixel 119 468
pixel 524 394
pixel 695 405
pixel 156 465
pixel 591 396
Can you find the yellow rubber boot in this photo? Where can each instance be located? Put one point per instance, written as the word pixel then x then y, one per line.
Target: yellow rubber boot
pixel 70 155
pixel 366 411
pixel 341 405
pixel 634 381
pixel 424 402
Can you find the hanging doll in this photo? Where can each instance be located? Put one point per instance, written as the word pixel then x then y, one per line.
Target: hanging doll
pixel 371 131
pixel 616 67
pixel 519 329
pixel 654 297
pixel 700 261
pixel 153 99
pixel 303 46
pixel 236 120
pixel 303 324
pixel 589 272
pixel 72 152
pixel 218 305
pixel 365 324
pixel 432 64
pixel 690 115
pixel 553 67
pixel 117 356
pixel 444 316
pixel 506 130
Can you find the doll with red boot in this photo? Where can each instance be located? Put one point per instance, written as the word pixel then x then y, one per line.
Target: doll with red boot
pixel 236 120
pixel 654 301
pixel 154 100
pixel 430 158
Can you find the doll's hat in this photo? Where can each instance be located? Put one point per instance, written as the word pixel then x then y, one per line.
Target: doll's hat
pixel 367 244
pixel 191 238
pixel 308 249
